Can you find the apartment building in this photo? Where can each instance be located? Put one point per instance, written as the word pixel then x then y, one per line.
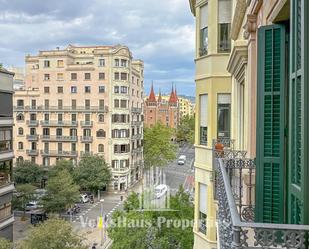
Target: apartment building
pixel 83 100
pixel 19 77
pixel 213 108
pixel 6 153
pixel 186 107
pixel 163 110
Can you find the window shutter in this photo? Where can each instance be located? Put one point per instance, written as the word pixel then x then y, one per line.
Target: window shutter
pixel 204 16
pixel 203 198
pixel 203 110
pixel 298 194
pixel 225 11
pixel 270 124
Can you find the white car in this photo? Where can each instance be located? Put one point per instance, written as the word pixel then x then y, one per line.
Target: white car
pixel 84 198
pixel 182 160
pixel 160 190
pixel 33 205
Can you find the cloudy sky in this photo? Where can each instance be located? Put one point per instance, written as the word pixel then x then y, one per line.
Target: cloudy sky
pixel 160 32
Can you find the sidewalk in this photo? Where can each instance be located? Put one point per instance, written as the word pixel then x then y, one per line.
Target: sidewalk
pixel 93 236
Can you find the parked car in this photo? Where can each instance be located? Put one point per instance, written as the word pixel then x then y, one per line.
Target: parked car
pixel 84 198
pixel 160 190
pixel 32 205
pixel 182 160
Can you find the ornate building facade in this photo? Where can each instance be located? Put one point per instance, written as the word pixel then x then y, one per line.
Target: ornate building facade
pixel 158 109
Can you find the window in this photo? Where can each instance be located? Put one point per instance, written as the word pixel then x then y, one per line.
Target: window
pixel 59 76
pixel 86 132
pixel 73 89
pixel 116 89
pixel 101 76
pixel 123 148
pixel 204 30
pixel 73 117
pixel 60 89
pixel 60 117
pixel 224 25
pixel 100 148
pixel 124 63
pixel 32 131
pixel 116 62
pixel 20 117
pixel 20 131
pixel 116 103
pixel 124 89
pixel 123 103
pixel 101 133
pixel 101 89
pixel 46 161
pixel 60 103
pixel 87 104
pixel 60 63
pixel 73 104
pixel 87 117
pixel 101 103
pixel 46 63
pixel 33 117
pixel 20 103
pixel 5 140
pixel 203 118
pixel 46 89
pixel 20 145
pixel 87 89
pixel 202 208
pixel 73 76
pixel 59 132
pixel 73 147
pixel 46 117
pixel 124 76
pixel 46 131
pixel 224 116
pixel 87 148
pixel 116 76
pixel 101 118
pixel 46 103
pixel 87 76
pixel 101 62
pixel 46 77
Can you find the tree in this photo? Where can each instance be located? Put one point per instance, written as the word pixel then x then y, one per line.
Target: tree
pixel 185 129
pixel 5 244
pixel 25 194
pixel 92 173
pixel 53 233
pixel 61 165
pixel 130 229
pixel 61 192
pixel 158 147
pixel 132 202
pixel 27 172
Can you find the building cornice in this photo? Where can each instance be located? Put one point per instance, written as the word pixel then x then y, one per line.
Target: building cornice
pixel 238 59
pixel 239 14
pixel 192 6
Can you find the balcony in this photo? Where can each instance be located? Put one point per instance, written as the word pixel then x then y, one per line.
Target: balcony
pixel 55 153
pixel 6 121
pixel 6 154
pixel 84 153
pixel 136 110
pixel 32 123
pixel 86 139
pixel 5 176
pixel 235 180
pixel 59 138
pixel 86 123
pixel 32 152
pixel 137 136
pixel 136 123
pixel 43 108
pixel 55 123
pixel 137 150
pixel 33 137
pixel 121 170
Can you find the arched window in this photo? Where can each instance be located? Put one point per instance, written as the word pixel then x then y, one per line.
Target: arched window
pixel 101 118
pixel 101 148
pixel 100 133
pixel 20 117
pixel 20 131
pixel 20 145
pixel 20 159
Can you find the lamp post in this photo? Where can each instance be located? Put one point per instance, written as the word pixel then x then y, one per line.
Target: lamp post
pixel 101 221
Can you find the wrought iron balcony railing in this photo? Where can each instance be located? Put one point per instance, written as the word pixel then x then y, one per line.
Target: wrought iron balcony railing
pixel 56 123
pixel 235 190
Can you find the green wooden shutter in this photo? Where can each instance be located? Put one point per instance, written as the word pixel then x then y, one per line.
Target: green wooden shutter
pixel 298 181
pixel 270 124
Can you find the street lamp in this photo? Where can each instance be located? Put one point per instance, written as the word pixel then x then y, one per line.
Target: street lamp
pixel 101 221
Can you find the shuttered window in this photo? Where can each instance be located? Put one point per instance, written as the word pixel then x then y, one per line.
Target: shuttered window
pixel 224 11
pixel 271 124
pixel 203 118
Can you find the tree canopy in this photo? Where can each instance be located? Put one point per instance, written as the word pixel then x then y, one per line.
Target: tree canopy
pixel 152 234
pixel 53 233
pixel 92 173
pixel 61 165
pixel 61 192
pixel 185 130
pixel 27 172
pixel 25 194
pixel 5 244
pixel 158 147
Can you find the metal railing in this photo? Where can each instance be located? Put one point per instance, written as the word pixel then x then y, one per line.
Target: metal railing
pixel 42 108
pixel 86 123
pixel 59 138
pixel 136 110
pixel 32 152
pixel 32 137
pixel 137 123
pixel 32 122
pixel 55 153
pixel 86 139
pixel 57 123
pixel 235 184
